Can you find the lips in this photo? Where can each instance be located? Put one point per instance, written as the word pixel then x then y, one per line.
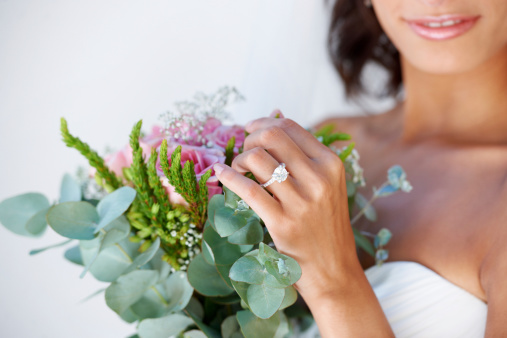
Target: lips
pixel 441 27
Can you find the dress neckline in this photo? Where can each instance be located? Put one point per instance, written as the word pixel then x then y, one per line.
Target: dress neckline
pixel 427 270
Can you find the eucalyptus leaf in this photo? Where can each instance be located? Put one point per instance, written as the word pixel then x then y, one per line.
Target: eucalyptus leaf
pixel 37 224
pixel 205 278
pixel 363 242
pixel 351 188
pixel 163 327
pixel 178 290
pixel 195 308
pixel 293 270
pixel 263 300
pixel 228 221
pixel 229 326
pixel 251 233
pixel 194 334
pixel 382 238
pixel 152 304
pixel 255 327
pixel 290 297
pixel 145 257
pixel 385 190
pixel 113 233
pixel 241 289
pixel 283 329
pixel 207 253
pixel 272 269
pixel 247 269
pixel 70 191
pixel 129 316
pixel 231 199
pixel 114 205
pixel 223 251
pixel 216 202
pixel 111 261
pixel 129 288
pixel 75 220
pixel 36 251
pixel 16 211
pixel 74 255
pixel 369 210
pixel 163 268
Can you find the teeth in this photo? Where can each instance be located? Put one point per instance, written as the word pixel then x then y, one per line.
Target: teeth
pixel 442 24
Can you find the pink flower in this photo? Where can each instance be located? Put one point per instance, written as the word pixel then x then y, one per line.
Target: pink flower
pixel 223 134
pixel 123 158
pixel 210 126
pixel 154 139
pixel 204 159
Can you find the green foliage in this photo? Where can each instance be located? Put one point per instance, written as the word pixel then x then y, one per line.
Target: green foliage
pixel 76 220
pixel 363 242
pixel 205 278
pixel 159 191
pixel 70 191
pixel 24 214
pixel 229 150
pixel 128 289
pixel 327 137
pixel 255 327
pixel 185 183
pixel 114 205
pixel 111 181
pixel 347 151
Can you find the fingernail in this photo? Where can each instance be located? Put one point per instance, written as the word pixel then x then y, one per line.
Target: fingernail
pixel 218 168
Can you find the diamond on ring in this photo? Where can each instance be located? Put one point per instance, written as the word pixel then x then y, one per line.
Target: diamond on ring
pixel 279 175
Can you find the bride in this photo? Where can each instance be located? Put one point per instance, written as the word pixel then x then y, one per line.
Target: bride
pixel 448 260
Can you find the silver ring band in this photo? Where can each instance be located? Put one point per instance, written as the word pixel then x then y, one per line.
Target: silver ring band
pixel 279 175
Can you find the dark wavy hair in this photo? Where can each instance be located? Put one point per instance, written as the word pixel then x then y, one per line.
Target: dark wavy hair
pixel 356 38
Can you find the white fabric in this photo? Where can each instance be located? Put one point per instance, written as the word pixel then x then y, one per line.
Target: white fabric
pixel 420 303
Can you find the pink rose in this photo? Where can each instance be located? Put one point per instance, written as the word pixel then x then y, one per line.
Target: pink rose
pixel 204 159
pixel 123 158
pixel 223 134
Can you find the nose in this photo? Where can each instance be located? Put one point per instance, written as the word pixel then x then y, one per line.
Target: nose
pixel 432 3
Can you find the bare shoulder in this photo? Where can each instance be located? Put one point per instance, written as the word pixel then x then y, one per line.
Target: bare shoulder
pixel 366 126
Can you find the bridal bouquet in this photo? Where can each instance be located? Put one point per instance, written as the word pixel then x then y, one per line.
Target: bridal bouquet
pixel 184 256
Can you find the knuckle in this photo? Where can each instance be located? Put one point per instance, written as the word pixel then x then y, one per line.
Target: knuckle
pixel 287 123
pixel 269 134
pixel 251 191
pixel 257 155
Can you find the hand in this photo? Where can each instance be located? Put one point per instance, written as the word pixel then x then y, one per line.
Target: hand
pixel 306 215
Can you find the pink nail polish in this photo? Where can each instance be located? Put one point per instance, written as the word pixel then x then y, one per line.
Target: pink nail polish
pixel 218 168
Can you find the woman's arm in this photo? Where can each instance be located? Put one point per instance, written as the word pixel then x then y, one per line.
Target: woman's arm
pixel 307 217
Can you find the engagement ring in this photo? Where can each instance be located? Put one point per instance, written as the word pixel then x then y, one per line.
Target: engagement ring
pixel 279 175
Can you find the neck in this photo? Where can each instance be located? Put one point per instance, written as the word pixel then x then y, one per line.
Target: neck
pixel 469 107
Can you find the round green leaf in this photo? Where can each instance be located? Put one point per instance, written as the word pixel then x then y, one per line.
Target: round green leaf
pixel 251 233
pixel 247 269
pixel 128 289
pixel 37 223
pixel 205 278
pixel 263 300
pixel 254 327
pixel 290 297
pixel 223 251
pixel 16 211
pixel 164 327
pixel 114 205
pixel 227 221
pixel 70 191
pixel 286 266
pixel 216 202
pixel 229 326
pixel 152 304
pixel 145 257
pixel 178 290
pixel 382 238
pixel 75 220
pixel 74 255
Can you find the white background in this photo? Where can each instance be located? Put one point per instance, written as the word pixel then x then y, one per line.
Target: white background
pixel 105 64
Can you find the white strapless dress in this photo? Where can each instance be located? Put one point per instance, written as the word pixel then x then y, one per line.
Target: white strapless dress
pixel 418 302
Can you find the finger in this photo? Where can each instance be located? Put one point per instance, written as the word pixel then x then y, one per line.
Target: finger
pixel 262 165
pixel 253 194
pixel 281 147
pixel 303 139
pixel 277 114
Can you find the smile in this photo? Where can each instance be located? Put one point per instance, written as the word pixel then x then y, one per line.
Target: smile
pixel 443 27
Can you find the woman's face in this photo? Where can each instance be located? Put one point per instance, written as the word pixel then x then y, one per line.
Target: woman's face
pixel 445 36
